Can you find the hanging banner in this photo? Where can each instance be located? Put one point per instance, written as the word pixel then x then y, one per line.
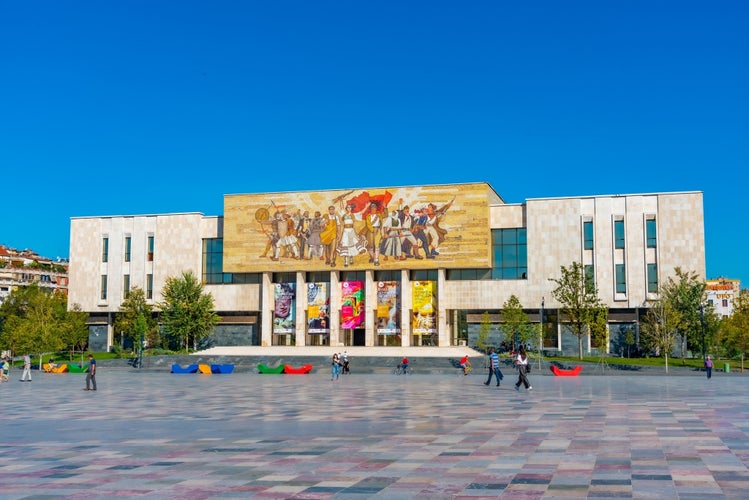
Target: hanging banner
pixel 388 308
pixel 318 302
pixel 424 299
pixel 352 304
pixel 284 312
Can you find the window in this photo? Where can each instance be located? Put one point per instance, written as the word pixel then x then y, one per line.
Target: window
pixel 424 275
pixel 103 287
pixel 105 249
pixel 509 256
pixel 213 261
pixel 619 234
pixel 126 285
pixel 213 264
pixel 621 279
pixel 128 245
pixel 652 278
pixel 590 278
pixel 468 274
pixel 650 233
pixel 149 286
pixel 588 235
pixel 150 248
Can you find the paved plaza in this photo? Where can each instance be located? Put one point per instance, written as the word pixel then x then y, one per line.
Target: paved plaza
pixel 246 435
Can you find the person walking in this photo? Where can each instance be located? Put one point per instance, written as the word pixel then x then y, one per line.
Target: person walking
pixel 91 375
pixel 4 376
pixel 26 368
pixel 709 367
pixel 494 368
pixel 522 363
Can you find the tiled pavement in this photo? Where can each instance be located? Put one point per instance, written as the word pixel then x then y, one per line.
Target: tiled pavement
pixel 189 436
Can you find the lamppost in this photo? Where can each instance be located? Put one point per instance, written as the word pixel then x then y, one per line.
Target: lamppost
pixel 702 322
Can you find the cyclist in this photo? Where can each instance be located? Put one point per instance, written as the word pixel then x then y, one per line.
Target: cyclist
pixel 404 364
pixel 465 364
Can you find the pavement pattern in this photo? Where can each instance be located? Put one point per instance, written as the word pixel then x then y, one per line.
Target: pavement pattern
pixel 244 435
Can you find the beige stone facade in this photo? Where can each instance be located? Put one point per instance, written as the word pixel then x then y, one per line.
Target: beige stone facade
pixel 554 228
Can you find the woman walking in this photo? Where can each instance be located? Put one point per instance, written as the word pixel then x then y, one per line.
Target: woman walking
pixel 522 363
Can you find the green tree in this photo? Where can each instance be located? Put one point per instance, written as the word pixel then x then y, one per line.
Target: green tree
pixel 36 320
pixel 187 314
pixel 659 328
pixel 515 321
pixel 734 330
pixel 685 294
pixel 133 307
pixel 579 301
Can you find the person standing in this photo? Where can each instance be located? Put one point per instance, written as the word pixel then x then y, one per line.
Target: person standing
pixel 522 363
pixel 26 368
pixel 494 368
pixel 4 376
pixel 91 375
pixel 709 367
pixel 335 368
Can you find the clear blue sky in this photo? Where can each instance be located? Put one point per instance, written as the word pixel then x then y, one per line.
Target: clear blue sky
pixel 135 107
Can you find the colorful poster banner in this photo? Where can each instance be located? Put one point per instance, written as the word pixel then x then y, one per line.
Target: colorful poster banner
pixel 284 312
pixel 388 308
pixel 318 304
pixel 352 304
pixel 424 299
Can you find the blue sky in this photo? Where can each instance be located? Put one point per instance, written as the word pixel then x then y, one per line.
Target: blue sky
pixel 125 108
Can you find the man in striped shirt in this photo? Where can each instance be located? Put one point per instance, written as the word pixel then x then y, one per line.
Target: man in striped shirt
pixel 494 368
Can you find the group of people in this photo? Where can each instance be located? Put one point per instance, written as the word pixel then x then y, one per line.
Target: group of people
pixel 340 364
pixel 521 363
pixel 353 229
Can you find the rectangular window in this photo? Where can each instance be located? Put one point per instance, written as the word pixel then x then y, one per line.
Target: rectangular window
pixel 126 285
pixel 621 279
pixel 590 278
pixel 128 245
pixel 103 287
pixel 105 249
pixel 588 235
pixel 509 254
pixel 650 233
pixel 652 278
pixel 619 234
pixel 149 286
pixel 150 248
pixel 213 262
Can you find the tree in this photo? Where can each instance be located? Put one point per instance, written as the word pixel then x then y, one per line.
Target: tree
pixel 133 307
pixel 659 327
pixel 515 321
pixel 734 330
pixel 187 314
pixel 579 301
pixel 685 294
pixel 35 320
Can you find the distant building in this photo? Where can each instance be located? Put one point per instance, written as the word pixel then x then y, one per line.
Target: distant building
pixel 393 266
pixel 20 268
pixel 721 294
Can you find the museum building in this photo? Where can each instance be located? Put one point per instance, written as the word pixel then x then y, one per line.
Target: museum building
pixel 391 266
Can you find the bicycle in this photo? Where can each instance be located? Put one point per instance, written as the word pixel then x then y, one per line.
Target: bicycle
pixel 399 370
pixel 465 371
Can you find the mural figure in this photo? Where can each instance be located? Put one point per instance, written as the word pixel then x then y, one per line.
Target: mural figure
pixel 392 233
pixel 329 236
pixel 316 226
pixel 350 244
